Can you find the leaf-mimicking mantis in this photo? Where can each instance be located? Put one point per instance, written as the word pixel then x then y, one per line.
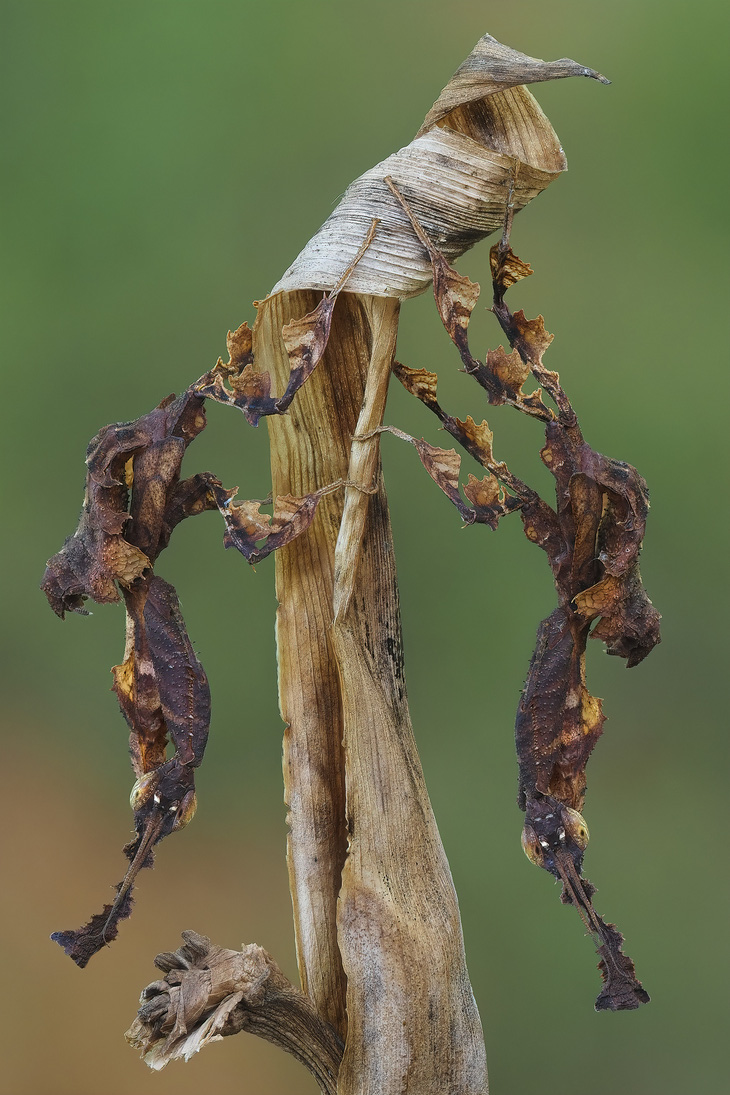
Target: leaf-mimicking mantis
pixel 592 539
pixel 133 501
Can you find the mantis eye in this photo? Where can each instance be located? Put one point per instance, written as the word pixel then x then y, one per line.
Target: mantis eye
pixel 531 846
pixel 575 826
pixel 143 790
pixel 185 811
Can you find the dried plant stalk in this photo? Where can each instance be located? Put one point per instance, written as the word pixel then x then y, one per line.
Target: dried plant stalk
pixel 411 1023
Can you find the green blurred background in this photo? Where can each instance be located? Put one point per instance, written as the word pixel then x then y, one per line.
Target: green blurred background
pixel 164 162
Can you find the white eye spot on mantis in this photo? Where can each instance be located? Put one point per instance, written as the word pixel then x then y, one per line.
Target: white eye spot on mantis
pixel 544 844
pixel 561 835
pixel 173 808
pixel 549 817
pixel 156 798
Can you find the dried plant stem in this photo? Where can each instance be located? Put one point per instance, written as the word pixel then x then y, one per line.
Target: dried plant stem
pixel 412 1025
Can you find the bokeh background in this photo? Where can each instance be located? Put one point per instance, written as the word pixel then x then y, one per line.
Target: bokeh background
pixel 164 162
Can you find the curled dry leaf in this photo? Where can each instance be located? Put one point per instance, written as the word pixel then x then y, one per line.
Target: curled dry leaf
pixel 396 266
pixel 492 67
pixel 458 174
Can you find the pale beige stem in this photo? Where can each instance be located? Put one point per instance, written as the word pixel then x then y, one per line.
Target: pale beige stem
pixel 412 1024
